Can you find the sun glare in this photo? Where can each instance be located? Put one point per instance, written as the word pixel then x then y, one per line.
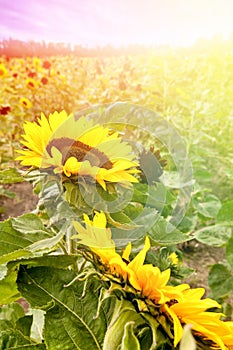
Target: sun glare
pixel 173 22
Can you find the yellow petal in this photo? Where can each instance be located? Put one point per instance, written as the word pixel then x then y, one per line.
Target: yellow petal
pixel 139 259
pixel 178 330
pixel 127 251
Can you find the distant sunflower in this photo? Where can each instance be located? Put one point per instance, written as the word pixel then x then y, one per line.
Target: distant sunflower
pixel 3 71
pixel 25 102
pixel 31 83
pixel 36 61
pixel 44 80
pixel 78 148
pixel 4 110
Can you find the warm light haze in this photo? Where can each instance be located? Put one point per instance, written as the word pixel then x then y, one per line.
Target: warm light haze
pixel 118 23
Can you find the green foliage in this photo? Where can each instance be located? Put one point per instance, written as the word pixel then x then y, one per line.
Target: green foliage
pixel 15 329
pixel 129 340
pixel 193 93
pixel 225 213
pixel 215 235
pixel 10 176
pixel 220 280
pixel 71 320
pixel 209 207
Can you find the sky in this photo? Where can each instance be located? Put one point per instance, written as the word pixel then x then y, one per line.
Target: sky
pixel 116 22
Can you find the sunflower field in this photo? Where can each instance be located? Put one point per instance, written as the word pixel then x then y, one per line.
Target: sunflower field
pixel 128 159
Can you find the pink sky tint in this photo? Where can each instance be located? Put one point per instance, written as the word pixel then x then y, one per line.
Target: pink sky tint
pixel 121 22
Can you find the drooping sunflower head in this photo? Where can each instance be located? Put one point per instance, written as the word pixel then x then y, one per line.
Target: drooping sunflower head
pixel 78 148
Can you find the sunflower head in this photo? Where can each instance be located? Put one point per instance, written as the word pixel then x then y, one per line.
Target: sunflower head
pixel 25 102
pixel 3 71
pixel 78 148
pixel 31 84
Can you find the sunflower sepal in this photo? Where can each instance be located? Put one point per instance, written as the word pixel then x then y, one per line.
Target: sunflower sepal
pixel 124 312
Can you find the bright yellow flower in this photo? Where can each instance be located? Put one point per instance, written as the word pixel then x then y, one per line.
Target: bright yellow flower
pixel 36 137
pixel 31 83
pixel 174 258
pixel 147 279
pixel 181 304
pixel 98 238
pixel 25 102
pixel 191 309
pixel 153 284
pixel 78 148
pixel 3 71
pixel 36 62
pixel 95 235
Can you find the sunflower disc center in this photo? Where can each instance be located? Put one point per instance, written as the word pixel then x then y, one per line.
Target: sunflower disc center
pixel 81 151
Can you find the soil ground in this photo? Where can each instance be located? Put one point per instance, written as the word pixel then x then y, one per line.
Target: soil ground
pixel 24 200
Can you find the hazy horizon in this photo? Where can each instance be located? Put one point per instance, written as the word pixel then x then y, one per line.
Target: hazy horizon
pixel 93 23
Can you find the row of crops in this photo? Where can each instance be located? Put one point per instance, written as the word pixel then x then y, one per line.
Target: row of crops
pixel 188 93
pixel 194 93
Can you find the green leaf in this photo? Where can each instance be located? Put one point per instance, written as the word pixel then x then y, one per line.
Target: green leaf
pixel 11 312
pixel 47 244
pixel 8 288
pixel 153 196
pixel 26 236
pixel 129 340
pixel 215 236
pixel 3 271
pixel 202 175
pixel 13 339
pixel 142 223
pixel 16 236
pixel 154 328
pixel 15 329
pixel 70 322
pixel 220 280
pixel 10 176
pixel 209 207
pixel 188 223
pixel 6 193
pixel 23 324
pixel 164 233
pixel 229 252
pixel 123 313
pixel 29 224
pixel 59 261
pixel 226 212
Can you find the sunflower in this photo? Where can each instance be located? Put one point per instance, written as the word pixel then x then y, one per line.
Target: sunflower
pixel 36 137
pixel 44 80
pixel 36 62
pixel 77 147
pixel 98 238
pixel 145 279
pixel 3 71
pixel 181 304
pixel 4 110
pixel 191 309
pixel 32 84
pixel 25 102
